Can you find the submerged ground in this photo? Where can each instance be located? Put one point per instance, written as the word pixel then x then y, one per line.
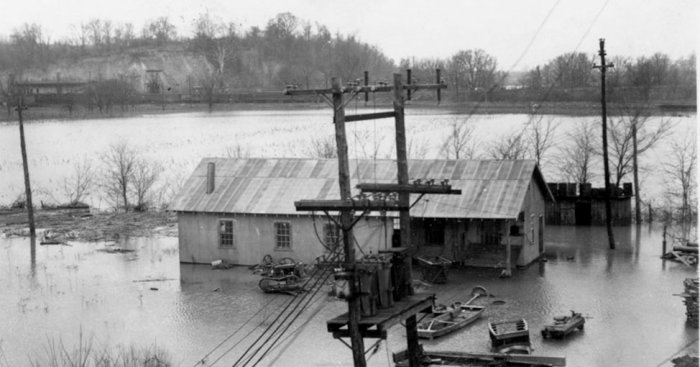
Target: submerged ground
pixel 146 297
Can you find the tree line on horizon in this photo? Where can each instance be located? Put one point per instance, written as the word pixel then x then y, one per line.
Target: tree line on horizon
pixel 291 51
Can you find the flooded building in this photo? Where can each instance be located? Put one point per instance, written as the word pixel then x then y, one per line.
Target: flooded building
pixel 582 204
pixel 240 210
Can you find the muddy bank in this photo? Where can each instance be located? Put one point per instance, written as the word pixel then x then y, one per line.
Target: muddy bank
pixel 80 225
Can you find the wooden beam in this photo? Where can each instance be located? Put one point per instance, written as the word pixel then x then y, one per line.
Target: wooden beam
pixel 410 188
pixel 352 205
pixel 369 116
pixel 374 334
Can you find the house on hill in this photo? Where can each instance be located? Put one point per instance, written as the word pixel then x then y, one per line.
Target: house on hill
pixel 240 210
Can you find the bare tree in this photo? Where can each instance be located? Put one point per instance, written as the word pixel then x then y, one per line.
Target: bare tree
pixel 540 134
pixel 144 176
pixel 509 146
pixel 680 179
pixel 460 142
pixel 623 131
pixel 78 185
pixel 120 161
pixel 576 157
pixel 322 147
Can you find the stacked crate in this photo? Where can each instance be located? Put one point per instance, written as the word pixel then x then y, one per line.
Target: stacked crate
pixel 690 298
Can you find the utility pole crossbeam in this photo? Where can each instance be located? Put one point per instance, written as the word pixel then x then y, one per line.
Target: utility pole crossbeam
pixel 606 165
pixel 360 205
pixel 411 188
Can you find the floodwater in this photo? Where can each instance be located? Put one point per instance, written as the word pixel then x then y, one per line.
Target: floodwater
pixel 179 141
pixel 145 297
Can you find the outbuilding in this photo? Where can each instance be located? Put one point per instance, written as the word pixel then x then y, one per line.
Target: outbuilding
pixel 240 210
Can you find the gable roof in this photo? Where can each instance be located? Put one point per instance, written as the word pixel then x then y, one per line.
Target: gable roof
pixel 490 188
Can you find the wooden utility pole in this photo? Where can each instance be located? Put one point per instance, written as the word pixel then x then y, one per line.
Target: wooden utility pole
pixel 25 166
pixel 637 200
pixel 402 164
pixel 347 205
pixel 606 165
pixel 356 341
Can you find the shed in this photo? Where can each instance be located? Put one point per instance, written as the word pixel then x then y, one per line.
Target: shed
pixel 240 210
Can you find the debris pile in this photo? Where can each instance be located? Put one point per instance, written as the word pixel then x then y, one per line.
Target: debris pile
pixel 690 298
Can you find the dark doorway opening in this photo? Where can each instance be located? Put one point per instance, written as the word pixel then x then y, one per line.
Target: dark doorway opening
pixel 583 213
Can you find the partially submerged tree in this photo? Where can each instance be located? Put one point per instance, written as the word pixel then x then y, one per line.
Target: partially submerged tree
pixel 576 157
pixel 144 176
pixel 622 132
pixel 540 133
pixel 322 147
pixel 77 186
pixel 510 146
pixel 680 181
pixel 119 160
pixel 459 143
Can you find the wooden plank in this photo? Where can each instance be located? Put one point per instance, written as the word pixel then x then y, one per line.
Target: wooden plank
pixel 369 116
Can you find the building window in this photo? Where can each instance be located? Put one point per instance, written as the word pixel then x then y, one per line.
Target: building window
pixel 434 232
pixel 283 235
pixel 226 233
pixel 331 236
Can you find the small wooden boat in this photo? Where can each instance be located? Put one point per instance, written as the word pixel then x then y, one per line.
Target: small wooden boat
pixel 564 325
pixel 445 320
pixel 510 336
pixel 449 321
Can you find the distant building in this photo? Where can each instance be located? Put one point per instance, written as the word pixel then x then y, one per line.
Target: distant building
pixel 240 210
pixel 587 205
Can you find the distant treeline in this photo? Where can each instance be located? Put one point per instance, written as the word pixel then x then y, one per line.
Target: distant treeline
pixel 290 51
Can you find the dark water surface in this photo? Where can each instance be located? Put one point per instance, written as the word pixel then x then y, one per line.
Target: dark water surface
pixel 146 297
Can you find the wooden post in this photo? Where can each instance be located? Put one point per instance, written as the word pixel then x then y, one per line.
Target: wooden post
pixel 402 169
pixel 25 166
pixel 507 273
pixel 438 81
pixel 412 342
pixel 346 218
pixel 366 84
pixel 651 214
pixel 663 243
pixel 606 164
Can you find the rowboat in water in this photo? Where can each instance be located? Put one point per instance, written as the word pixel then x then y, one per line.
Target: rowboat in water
pixel 510 336
pixel 447 322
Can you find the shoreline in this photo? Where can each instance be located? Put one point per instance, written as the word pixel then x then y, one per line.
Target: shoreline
pixel 42 113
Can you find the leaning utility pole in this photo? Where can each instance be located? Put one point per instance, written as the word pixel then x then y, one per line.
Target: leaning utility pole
pixel 25 165
pixel 608 210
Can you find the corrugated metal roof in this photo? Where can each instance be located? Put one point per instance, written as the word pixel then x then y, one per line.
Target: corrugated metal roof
pixel 490 188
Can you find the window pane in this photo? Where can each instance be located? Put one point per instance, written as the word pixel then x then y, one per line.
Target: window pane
pixel 283 234
pixel 226 233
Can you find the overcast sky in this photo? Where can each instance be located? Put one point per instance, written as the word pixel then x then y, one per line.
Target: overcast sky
pixel 435 28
